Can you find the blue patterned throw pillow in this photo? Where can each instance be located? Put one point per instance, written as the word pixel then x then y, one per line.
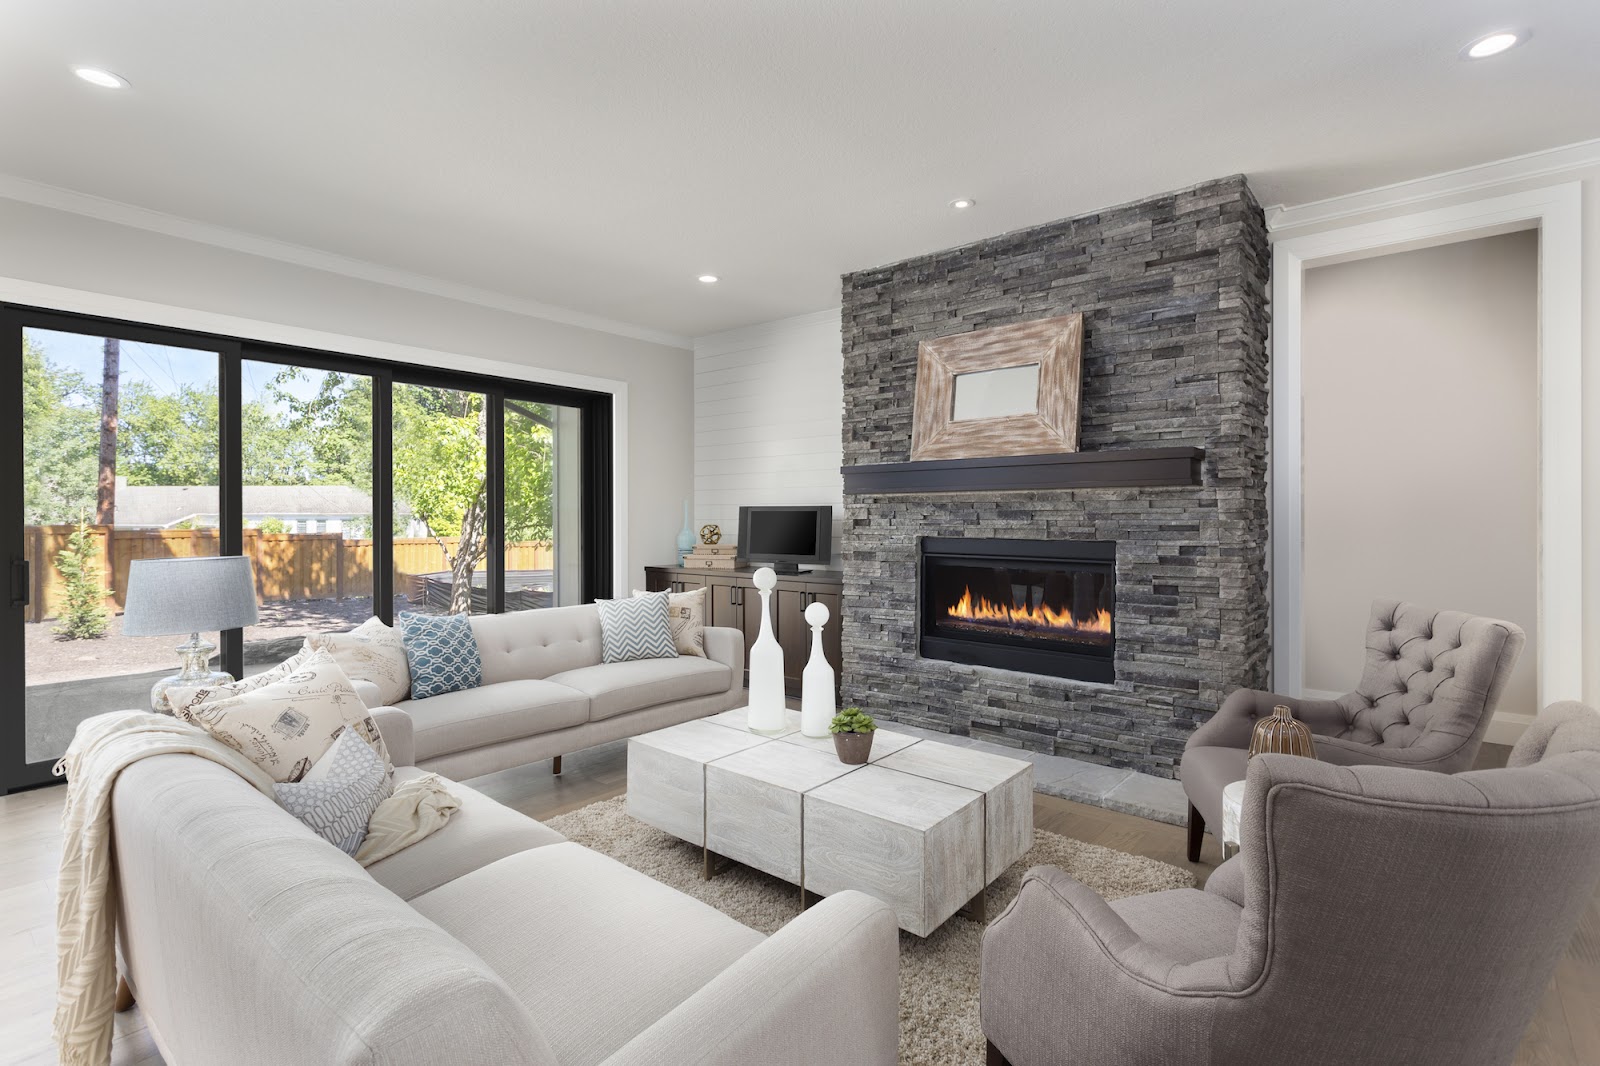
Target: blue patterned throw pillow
pixel 637 628
pixel 441 652
pixel 337 798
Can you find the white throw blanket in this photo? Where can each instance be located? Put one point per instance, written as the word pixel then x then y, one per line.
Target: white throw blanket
pixel 86 909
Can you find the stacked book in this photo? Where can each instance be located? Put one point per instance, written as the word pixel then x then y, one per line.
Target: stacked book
pixel 712 557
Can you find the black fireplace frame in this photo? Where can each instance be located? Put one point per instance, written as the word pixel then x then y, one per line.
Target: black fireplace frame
pixel 1094 665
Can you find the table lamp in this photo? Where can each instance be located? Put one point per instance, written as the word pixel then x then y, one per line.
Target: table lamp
pixel 171 596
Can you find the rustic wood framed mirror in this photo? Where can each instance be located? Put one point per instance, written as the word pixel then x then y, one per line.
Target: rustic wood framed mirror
pixel 1010 390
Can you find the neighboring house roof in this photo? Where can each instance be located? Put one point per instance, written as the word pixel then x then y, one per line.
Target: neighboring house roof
pixel 162 505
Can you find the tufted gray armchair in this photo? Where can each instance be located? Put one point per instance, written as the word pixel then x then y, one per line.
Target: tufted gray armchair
pixel 1374 915
pixel 1427 693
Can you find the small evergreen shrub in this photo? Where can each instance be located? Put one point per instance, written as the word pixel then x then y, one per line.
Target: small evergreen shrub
pixel 83 610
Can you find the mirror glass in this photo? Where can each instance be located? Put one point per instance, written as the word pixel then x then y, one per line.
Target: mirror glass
pixel 1011 390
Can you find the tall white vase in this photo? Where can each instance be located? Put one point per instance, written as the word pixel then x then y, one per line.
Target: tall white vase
pixel 766 713
pixel 817 707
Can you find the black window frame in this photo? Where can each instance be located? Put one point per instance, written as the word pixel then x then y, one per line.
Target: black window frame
pixel 597 516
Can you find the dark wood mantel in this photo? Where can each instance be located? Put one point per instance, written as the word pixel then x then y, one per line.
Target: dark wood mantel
pixel 1113 468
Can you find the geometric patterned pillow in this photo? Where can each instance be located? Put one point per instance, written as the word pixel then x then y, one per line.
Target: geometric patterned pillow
pixel 636 629
pixel 686 616
pixel 370 652
pixel 441 652
pixel 337 798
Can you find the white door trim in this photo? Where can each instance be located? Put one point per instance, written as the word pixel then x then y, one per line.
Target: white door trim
pixel 1556 212
pixel 103 305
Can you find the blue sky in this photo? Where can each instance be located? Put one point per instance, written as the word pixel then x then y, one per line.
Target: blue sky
pixel 163 367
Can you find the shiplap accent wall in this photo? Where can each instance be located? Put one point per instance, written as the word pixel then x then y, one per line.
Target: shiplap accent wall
pixel 768 406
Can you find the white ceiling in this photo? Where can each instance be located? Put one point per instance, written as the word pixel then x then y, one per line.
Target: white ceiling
pixel 599 155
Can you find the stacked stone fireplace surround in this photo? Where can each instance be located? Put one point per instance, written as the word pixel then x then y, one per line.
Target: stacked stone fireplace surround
pixel 1173 290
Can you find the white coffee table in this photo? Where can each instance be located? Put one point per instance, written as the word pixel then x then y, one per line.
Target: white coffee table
pixel 924 826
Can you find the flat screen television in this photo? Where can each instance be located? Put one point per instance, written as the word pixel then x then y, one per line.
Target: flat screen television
pixel 785 537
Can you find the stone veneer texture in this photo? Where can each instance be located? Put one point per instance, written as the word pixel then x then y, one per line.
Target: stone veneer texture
pixel 1173 290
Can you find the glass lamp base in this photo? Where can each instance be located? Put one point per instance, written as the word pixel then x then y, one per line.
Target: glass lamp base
pixel 196 673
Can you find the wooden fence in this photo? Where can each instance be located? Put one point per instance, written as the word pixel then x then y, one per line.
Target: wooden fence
pixel 288 566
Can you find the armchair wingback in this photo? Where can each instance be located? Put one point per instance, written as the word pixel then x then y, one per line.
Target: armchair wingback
pixel 1374 914
pixel 1429 686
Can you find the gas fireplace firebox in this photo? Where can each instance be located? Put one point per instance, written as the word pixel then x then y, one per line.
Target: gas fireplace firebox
pixel 1041 607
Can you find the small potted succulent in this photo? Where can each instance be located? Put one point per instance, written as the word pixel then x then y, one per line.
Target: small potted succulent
pixel 852 731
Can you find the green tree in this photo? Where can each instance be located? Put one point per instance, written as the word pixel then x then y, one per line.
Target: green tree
pixel 83 611
pixel 60 413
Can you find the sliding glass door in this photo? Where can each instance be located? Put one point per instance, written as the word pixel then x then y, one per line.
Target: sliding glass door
pixel 355 487
pixel 120 452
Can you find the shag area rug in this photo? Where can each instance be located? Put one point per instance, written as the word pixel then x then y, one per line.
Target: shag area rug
pixel 938 975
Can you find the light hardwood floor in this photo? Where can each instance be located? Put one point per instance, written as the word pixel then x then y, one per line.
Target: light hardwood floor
pixel 1565 1032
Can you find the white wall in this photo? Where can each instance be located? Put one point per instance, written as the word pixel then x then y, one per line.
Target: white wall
pixel 1577 163
pixel 43 246
pixel 768 414
pixel 1421 445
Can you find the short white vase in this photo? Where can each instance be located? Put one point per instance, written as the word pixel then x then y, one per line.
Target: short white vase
pixel 817 706
pixel 766 709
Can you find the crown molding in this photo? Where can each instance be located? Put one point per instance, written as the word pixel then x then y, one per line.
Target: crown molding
pixel 123 214
pixel 1551 162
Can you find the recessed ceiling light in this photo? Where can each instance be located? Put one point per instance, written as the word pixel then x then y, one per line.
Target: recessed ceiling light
pixel 961 203
pixel 103 78
pixel 1493 44
pixel 708 279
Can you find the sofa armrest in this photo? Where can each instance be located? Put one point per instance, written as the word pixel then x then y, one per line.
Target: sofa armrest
pixel 1066 980
pixel 726 646
pixel 394 725
pixel 368 692
pixel 1234 721
pixel 844 951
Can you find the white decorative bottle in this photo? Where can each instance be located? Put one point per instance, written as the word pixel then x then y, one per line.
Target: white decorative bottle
pixel 816 683
pixel 766 712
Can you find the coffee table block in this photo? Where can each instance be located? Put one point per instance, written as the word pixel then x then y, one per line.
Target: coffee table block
pixel 753 804
pixel 667 776
pixel 1007 786
pixel 884 743
pixel 739 718
pixel 914 843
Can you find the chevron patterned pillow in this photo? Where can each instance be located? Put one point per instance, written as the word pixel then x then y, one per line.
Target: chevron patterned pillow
pixel 637 628
pixel 441 652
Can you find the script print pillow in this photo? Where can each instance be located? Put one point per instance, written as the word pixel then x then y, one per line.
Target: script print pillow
pixel 285 726
pixel 370 652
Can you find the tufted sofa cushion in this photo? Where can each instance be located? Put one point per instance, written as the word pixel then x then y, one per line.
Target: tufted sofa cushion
pixel 532 645
pixel 1428 673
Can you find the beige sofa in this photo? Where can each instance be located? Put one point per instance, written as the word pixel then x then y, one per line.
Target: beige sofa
pixel 247 939
pixel 545 692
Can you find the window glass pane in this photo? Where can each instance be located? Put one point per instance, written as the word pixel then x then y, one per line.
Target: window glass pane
pixel 306 446
pixel 120 458
pixel 440 504
pixel 544 542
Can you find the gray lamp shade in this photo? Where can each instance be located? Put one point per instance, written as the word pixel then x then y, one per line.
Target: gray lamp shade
pixel 171 596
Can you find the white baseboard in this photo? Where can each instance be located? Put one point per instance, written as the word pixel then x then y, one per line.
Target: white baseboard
pixel 1506 728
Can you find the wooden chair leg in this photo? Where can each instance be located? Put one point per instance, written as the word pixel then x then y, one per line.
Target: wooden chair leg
pixel 124 995
pixel 555 765
pixel 992 1056
pixel 1197 833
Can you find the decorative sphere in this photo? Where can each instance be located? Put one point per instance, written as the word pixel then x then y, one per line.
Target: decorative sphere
pixel 817 614
pixel 766 579
pixel 710 533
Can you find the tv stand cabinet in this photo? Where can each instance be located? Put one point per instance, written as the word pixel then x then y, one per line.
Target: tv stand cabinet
pixel 733 601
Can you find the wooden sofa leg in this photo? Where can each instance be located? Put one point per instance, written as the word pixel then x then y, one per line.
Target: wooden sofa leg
pixel 124 995
pixel 992 1056
pixel 555 765
pixel 1197 833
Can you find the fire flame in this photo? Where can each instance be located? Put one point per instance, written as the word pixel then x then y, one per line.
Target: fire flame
pixel 1042 616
